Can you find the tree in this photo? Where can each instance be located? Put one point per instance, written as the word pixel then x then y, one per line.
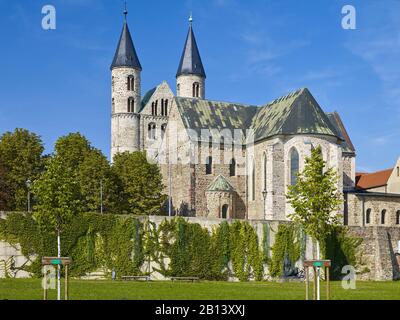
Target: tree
pixel 95 180
pixel 21 158
pixel 72 148
pixel 5 195
pixel 315 198
pixel 98 184
pixel 58 200
pixel 141 183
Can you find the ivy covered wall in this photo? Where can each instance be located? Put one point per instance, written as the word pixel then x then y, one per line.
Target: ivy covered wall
pixel 131 245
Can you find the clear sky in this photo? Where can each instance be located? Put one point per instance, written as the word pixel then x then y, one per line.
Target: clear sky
pixel 58 81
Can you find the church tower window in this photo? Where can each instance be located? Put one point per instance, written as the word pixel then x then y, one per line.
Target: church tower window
pixel 131 83
pixel 131 105
pixel 113 105
pixel 166 107
pixel 398 217
pixel 196 90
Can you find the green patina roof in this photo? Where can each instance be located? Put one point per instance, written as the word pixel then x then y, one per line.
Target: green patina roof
pixel 147 97
pixel 220 184
pixel 296 113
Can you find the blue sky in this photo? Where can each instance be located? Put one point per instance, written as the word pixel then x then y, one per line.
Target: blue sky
pixel 56 82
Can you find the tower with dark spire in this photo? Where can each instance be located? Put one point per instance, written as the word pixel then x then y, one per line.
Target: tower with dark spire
pixel 126 95
pixel 190 78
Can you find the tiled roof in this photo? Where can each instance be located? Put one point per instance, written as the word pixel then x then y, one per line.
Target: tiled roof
pixel 373 180
pixel 220 184
pixel 296 113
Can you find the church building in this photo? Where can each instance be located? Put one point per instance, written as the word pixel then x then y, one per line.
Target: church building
pixel 220 159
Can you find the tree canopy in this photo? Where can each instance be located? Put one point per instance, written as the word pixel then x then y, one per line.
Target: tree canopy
pixel 21 159
pixel 315 197
pixel 141 183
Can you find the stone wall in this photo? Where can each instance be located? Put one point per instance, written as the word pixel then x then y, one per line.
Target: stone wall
pixel 379 252
pixel 358 204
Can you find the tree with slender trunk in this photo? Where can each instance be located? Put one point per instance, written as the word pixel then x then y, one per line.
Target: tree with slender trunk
pixel 316 199
pixel 57 195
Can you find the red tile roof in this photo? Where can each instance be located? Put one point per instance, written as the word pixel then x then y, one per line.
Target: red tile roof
pixel 372 180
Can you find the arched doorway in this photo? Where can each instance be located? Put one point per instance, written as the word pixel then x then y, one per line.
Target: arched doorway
pixel 224 213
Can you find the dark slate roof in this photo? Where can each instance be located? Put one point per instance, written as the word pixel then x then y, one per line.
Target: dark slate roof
pixel 191 61
pixel 220 184
pixel 146 98
pixel 296 113
pixel 125 55
pixel 347 145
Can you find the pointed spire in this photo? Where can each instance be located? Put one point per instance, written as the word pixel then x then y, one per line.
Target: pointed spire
pixel 125 55
pixel 191 61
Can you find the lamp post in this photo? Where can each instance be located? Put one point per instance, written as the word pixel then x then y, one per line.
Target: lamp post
pixel 101 196
pixel 264 193
pixel 28 185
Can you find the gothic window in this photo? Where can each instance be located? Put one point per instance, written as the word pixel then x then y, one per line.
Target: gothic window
pixel 253 181
pixel 398 217
pixel 152 108
pixel 162 107
pixel 294 166
pixel 113 105
pixel 368 216
pixel 156 107
pixel 398 171
pixel 209 165
pixel 112 82
pixel 166 107
pixel 131 83
pixel 210 141
pixel 232 168
pixel 152 131
pixel 265 172
pixel 178 89
pixel 383 216
pixel 131 105
pixel 163 129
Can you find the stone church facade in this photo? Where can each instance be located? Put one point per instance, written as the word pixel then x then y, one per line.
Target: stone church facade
pixel 227 160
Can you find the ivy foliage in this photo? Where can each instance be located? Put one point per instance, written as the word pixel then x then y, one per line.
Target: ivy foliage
pixel 341 249
pixel 127 244
pixel 288 242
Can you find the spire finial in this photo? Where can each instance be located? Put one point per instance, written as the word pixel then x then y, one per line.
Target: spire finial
pixel 125 11
pixel 191 18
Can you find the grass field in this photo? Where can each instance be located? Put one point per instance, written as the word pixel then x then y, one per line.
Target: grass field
pixel 30 289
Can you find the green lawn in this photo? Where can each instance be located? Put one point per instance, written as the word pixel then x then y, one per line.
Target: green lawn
pixel 30 289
